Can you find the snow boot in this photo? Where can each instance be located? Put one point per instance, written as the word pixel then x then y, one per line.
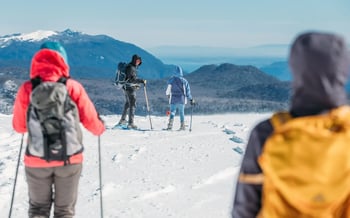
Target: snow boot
pixel 122 122
pixel 123 117
pixel 132 126
pixel 170 124
pixel 182 126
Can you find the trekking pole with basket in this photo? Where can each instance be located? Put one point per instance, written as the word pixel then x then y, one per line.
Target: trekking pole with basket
pixel 14 184
pixel 100 174
pixel 148 109
pixel 191 118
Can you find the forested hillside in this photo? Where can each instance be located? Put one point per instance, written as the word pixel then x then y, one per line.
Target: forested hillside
pixel 216 89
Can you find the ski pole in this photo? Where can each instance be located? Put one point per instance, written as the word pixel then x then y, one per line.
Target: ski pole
pixel 191 118
pixel 149 112
pixel 100 174
pixel 14 185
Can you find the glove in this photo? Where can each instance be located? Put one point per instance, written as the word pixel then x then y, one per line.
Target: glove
pixel 168 96
pixel 144 82
pixel 192 102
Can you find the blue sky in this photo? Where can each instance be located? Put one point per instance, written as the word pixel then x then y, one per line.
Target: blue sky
pixel 214 23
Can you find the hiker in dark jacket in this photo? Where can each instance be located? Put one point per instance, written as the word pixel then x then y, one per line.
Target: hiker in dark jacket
pixel 320 65
pixel 133 84
pixel 178 91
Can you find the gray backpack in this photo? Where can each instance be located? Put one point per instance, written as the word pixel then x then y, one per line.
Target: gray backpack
pixel 53 124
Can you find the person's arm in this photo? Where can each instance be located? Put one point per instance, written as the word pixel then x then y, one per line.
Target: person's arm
pixel 188 90
pixel 131 73
pixel 168 90
pixel 247 199
pixel 87 112
pixel 19 122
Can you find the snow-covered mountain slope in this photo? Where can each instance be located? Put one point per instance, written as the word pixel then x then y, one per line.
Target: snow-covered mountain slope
pixel 33 36
pixel 89 56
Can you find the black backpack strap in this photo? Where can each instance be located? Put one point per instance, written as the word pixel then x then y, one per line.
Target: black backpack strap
pixel 63 80
pixel 65 157
pixel 35 82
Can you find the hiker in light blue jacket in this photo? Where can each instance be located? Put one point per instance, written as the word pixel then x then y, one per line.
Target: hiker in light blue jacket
pixel 178 91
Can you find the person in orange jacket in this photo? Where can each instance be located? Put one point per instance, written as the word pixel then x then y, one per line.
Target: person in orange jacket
pixel 320 65
pixel 43 177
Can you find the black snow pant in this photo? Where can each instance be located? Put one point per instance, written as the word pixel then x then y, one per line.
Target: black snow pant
pixel 130 105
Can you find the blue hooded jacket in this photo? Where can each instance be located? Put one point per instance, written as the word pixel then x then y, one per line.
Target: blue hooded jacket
pixel 178 89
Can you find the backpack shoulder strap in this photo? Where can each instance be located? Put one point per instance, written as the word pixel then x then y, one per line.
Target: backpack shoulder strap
pixel 35 82
pixel 277 120
pixel 280 118
pixel 63 80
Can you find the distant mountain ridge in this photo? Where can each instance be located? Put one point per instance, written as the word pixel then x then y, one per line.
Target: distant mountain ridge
pixel 193 57
pixel 90 56
pixel 229 81
pixel 279 70
pixel 34 36
pixel 282 71
pixel 219 87
pixel 216 89
pixel 229 87
pixel 272 50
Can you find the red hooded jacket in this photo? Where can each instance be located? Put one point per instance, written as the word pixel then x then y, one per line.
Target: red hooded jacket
pixel 50 66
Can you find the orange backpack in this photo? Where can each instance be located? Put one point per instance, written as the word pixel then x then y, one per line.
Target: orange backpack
pixel 306 166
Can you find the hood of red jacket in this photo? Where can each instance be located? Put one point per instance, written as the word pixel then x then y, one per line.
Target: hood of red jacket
pixel 48 65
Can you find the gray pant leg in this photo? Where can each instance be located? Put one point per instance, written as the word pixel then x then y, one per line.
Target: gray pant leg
pixel 39 182
pixel 126 106
pixel 66 190
pixel 132 105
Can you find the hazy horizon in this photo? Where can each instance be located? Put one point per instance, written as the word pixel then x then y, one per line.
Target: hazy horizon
pixel 222 23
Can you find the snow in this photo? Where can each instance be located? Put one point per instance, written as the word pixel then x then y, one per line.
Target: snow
pixel 147 174
pixel 33 36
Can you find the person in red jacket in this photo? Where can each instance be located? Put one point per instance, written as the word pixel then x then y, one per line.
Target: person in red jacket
pixel 43 177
